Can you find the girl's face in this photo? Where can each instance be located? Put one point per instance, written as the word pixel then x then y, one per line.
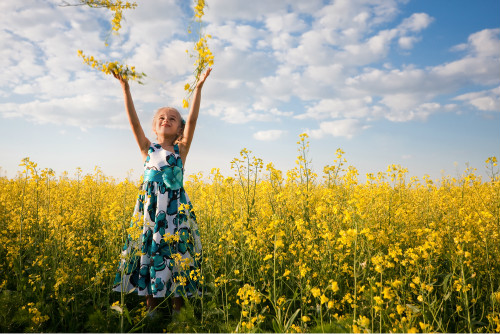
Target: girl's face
pixel 167 123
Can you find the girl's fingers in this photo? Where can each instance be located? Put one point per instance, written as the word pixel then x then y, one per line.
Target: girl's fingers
pixel 207 73
pixel 205 76
pixel 119 77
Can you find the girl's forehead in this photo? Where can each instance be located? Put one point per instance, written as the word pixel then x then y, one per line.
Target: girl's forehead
pixel 168 112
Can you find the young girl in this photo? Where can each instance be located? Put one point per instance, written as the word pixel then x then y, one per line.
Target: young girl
pixel 165 259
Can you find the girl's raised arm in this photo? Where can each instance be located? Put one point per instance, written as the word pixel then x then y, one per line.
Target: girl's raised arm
pixel 141 139
pixel 187 136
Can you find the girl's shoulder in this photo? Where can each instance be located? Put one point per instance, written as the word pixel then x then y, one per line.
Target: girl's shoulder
pixel 182 151
pixel 146 150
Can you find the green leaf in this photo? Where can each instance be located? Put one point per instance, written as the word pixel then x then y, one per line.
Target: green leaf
pixel 413 308
pixel 277 328
pixel 445 281
pixel 291 320
pixel 127 315
pixel 447 296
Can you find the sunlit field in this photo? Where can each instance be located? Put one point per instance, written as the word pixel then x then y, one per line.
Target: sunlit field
pixel 284 251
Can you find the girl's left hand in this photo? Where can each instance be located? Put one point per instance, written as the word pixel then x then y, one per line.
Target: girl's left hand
pixel 203 78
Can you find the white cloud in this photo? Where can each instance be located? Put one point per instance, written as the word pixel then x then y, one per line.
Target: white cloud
pixel 344 14
pixel 341 128
pixel 151 22
pixel 220 11
pixel 404 108
pixel 83 111
pixel 374 48
pixel 338 108
pixel 481 65
pixel 290 22
pixel 416 22
pixel 311 50
pixel 237 36
pixel 277 88
pixel 407 42
pixel 488 100
pixel 485 43
pixel 234 115
pixel 323 74
pixel 268 135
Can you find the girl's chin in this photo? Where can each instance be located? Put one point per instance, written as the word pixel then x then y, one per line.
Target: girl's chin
pixel 165 135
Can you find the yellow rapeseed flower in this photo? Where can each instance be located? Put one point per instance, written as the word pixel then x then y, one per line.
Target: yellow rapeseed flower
pixel 316 292
pixel 324 299
pixel 364 321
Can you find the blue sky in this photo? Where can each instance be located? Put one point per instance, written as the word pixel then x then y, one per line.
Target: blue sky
pixel 415 83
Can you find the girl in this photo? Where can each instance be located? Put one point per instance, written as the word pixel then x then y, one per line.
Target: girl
pixel 164 258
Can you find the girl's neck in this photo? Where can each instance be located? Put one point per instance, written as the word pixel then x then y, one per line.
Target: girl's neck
pixel 165 142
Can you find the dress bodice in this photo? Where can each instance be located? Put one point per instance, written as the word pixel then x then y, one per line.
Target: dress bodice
pixel 164 166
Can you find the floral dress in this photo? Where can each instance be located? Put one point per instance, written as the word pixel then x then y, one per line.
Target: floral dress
pixel 162 254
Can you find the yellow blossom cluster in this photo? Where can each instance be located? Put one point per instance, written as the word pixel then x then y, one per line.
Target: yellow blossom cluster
pixel 112 67
pixel 204 58
pixel 37 319
pixel 115 6
pixel 202 53
pixel 248 299
pixel 199 9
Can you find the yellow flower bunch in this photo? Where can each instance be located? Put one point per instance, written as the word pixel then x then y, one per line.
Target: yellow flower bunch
pixel 199 9
pixel 171 238
pixel 248 295
pixel 316 292
pixel 249 298
pixel 135 232
pixel 205 56
pixel 202 53
pixel 116 6
pixel 181 263
pixel 37 318
pixel 113 67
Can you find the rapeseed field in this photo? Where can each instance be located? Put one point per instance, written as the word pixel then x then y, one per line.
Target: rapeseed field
pixel 290 251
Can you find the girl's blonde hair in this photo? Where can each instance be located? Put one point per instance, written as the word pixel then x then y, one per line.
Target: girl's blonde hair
pixel 183 122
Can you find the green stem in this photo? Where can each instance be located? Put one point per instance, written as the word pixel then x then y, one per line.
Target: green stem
pixel 355 273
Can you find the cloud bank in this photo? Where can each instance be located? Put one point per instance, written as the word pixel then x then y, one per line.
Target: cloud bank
pixel 332 61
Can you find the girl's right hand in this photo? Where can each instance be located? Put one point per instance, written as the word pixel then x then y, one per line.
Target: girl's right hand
pixel 124 82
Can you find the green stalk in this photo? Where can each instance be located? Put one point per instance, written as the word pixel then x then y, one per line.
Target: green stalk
pixel 355 273
pixel 466 297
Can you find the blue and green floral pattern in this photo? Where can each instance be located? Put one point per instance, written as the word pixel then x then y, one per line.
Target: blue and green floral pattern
pixel 162 255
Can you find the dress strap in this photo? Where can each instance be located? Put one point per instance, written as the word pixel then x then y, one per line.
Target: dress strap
pixel 176 149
